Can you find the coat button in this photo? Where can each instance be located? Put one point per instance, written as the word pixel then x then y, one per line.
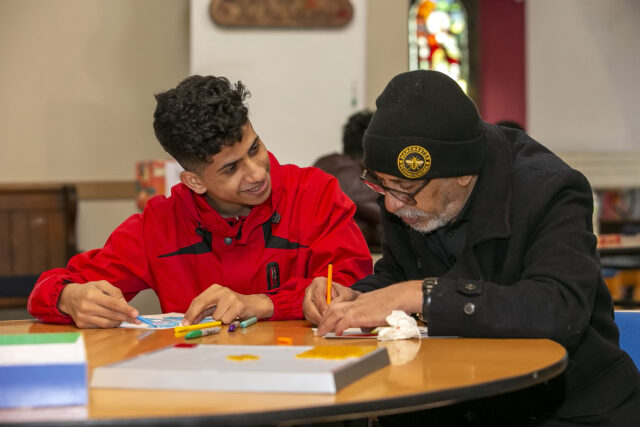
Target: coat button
pixel 469 308
pixel 228 240
pixel 470 287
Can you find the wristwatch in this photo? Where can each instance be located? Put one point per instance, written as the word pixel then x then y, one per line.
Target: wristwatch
pixel 428 285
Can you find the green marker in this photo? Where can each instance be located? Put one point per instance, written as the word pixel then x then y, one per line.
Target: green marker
pixel 250 321
pixel 202 332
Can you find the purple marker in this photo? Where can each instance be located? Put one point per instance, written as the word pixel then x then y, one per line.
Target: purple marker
pixel 233 326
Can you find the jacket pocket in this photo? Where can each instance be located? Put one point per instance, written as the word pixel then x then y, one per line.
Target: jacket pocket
pixel 273 276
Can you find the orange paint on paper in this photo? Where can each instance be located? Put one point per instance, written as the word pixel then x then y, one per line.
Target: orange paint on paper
pixel 337 351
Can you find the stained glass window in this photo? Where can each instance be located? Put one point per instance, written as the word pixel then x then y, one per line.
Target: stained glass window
pixel 438 38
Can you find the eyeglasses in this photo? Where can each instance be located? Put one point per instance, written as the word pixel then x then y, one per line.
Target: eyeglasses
pixel 371 181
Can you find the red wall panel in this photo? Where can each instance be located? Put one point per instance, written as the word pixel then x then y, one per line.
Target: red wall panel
pixel 501 60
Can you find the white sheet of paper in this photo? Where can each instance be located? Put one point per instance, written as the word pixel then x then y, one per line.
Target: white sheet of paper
pixel 162 321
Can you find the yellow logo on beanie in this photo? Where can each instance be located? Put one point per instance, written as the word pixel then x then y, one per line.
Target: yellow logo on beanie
pixel 414 161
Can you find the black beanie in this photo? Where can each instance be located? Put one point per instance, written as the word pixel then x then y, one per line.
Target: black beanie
pixel 424 127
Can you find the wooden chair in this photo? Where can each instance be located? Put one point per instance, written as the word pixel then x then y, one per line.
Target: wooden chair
pixel 37 233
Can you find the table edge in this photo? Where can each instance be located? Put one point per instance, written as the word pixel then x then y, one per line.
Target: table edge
pixel 338 411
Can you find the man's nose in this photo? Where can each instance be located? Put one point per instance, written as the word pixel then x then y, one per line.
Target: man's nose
pixel 391 203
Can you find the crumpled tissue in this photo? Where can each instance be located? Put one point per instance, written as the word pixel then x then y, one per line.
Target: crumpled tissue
pixel 401 327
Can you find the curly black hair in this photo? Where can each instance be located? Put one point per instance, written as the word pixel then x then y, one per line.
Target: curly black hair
pixel 353 132
pixel 203 114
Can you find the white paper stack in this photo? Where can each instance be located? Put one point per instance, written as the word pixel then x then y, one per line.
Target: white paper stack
pixel 261 368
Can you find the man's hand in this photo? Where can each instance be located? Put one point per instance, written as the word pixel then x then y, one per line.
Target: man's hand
pixel 96 305
pixel 315 298
pixel 226 305
pixel 370 309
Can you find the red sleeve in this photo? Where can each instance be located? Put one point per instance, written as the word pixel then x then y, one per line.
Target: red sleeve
pixel 121 262
pixel 325 215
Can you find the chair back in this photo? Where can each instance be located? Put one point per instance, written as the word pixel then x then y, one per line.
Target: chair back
pixel 37 233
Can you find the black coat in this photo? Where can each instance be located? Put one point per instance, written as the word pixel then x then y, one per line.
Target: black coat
pixel 532 256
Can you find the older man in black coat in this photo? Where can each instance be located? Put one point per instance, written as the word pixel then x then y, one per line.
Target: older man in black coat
pixel 486 234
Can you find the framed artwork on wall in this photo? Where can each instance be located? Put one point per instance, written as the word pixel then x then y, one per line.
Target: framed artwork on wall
pixel 281 13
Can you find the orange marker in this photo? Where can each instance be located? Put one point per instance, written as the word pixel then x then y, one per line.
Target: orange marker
pixel 285 340
pixel 329 274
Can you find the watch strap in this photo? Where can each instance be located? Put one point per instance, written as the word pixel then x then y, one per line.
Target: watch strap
pixel 428 285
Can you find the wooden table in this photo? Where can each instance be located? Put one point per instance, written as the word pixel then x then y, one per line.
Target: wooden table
pixel 424 374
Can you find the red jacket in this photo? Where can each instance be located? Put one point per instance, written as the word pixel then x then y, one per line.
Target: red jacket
pixel 179 246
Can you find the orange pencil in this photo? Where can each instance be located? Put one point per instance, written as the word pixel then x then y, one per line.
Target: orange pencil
pixel 329 274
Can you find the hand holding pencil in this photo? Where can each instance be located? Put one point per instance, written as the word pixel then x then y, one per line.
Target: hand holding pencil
pixel 321 292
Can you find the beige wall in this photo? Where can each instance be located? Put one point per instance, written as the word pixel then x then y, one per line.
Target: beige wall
pixel 77 79
pixel 582 85
pixel 77 83
pixel 387 51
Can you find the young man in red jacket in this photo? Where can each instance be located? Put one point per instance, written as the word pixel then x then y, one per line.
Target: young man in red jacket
pixel 241 235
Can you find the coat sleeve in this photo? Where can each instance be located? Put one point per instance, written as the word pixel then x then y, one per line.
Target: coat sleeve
pixel 554 290
pixel 121 262
pixel 325 215
pixel 386 272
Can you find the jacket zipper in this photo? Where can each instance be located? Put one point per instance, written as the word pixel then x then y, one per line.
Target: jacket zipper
pixel 273 275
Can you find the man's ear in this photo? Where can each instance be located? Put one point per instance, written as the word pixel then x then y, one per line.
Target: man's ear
pixel 465 180
pixel 193 181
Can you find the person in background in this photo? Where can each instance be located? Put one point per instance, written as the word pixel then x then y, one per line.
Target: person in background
pixel 487 234
pixel 347 167
pixel 510 124
pixel 240 236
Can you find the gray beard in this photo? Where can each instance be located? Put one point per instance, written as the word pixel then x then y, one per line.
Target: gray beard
pixel 452 208
pixel 432 223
